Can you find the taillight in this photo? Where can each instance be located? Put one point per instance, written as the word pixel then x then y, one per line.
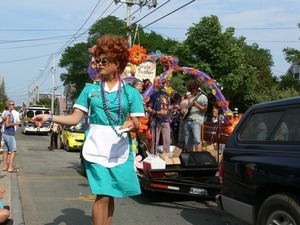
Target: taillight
pixel 221 172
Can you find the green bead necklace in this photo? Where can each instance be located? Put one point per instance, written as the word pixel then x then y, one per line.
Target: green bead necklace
pixel 112 120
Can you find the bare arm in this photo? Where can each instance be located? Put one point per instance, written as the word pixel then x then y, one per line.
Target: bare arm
pixel 9 124
pixel 202 108
pixel 68 120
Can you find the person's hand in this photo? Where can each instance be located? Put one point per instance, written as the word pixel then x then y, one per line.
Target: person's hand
pixel 128 124
pixel 2 193
pixel 163 112
pixel 40 119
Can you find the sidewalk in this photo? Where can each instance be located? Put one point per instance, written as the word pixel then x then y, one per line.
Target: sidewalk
pixel 12 199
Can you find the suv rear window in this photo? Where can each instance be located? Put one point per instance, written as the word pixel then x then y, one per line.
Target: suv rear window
pixel 272 126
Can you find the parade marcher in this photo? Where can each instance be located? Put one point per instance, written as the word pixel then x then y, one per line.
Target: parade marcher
pixel 114 106
pixel 158 107
pixel 195 116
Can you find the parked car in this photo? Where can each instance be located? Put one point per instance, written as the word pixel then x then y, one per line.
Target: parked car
pixel 28 127
pixel 260 171
pixel 72 137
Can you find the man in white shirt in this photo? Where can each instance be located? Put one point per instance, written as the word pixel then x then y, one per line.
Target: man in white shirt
pixel 16 116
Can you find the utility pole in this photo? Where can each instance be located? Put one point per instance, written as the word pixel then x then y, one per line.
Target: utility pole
pixel 53 81
pixel 130 3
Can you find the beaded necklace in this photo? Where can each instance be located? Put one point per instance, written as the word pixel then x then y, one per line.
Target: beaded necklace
pixel 111 119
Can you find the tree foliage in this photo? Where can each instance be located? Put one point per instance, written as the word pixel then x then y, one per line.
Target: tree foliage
pixel 242 71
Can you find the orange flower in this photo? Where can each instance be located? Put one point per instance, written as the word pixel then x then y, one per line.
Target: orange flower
pixel 194 71
pixel 137 54
pixel 220 103
pixel 210 81
pixel 176 68
pixel 233 122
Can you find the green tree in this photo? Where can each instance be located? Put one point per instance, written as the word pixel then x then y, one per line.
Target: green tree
pixel 45 102
pixel 75 59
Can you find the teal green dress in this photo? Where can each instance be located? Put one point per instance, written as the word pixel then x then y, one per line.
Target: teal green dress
pixel 109 159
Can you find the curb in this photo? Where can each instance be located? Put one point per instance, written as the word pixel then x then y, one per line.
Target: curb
pixel 9 182
pixel 16 207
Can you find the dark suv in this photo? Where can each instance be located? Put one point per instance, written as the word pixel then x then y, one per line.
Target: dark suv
pixel 260 171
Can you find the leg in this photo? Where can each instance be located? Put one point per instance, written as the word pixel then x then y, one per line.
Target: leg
pixel 4 214
pixel 197 136
pixel 166 132
pixel 155 138
pixel 103 210
pixel 4 160
pixel 188 136
pixel 54 144
pixel 11 161
pixel 51 140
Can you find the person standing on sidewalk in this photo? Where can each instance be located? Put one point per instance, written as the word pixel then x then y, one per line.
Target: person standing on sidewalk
pixel 8 135
pixel 113 106
pixel 4 212
pixel 54 135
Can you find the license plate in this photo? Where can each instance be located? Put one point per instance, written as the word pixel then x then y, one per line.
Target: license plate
pixel 198 191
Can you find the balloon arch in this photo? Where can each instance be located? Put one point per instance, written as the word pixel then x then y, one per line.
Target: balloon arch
pixel 171 65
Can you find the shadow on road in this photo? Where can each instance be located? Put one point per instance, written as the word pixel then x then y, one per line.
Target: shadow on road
pixel 72 216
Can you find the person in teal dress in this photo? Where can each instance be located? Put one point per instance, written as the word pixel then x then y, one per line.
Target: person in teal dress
pixel 112 106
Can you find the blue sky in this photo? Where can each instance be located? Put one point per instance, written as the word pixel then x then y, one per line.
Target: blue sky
pixel 32 31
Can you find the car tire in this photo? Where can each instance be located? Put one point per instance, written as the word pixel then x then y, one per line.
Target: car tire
pixel 68 149
pixel 60 144
pixel 281 208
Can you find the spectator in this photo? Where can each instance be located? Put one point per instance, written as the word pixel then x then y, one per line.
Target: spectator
pixel 54 135
pixel 183 110
pixel 175 117
pixel 107 153
pixel 138 84
pixel 215 115
pixel 195 116
pixel 4 213
pixel 158 108
pixel 16 116
pixel 9 138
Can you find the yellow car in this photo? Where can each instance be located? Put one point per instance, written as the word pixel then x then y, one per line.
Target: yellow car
pixel 72 137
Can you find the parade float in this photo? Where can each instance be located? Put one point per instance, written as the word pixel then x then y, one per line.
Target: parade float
pixel 186 173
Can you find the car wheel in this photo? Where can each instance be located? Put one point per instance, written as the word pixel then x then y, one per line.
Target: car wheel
pixel 60 144
pixel 68 147
pixel 280 209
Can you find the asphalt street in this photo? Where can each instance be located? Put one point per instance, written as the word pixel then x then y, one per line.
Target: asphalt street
pixel 48 190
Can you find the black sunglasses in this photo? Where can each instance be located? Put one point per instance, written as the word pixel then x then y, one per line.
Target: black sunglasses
pixel 103 61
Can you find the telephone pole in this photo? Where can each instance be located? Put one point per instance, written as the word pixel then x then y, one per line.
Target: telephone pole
pixel 130 3
pixel 53 82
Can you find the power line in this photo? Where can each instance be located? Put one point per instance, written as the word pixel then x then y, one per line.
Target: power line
pixel 169 13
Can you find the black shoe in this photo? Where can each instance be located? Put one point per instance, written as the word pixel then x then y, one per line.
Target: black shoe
pixel 7 222
pixel 50 148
